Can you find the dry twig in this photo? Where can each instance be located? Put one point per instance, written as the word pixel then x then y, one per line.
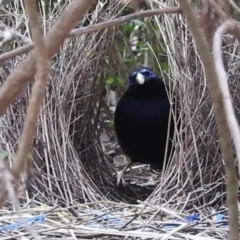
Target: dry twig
pixel 22 164
pixel 19 78
pixel 231 178
pixel 8 35
pixel 94 28
pixel 223 83
pixel 62 174
pixel 38 90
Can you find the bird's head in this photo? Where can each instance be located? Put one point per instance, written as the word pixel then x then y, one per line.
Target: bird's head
pixel 142 76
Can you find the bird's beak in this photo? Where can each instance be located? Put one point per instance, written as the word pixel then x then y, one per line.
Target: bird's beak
pixel 140 78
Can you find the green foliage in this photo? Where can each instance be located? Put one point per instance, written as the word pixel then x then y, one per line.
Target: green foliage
pixel 138 43
pixel 115 81
pixel 129 62
pixel 164 66
pixel 110 122
pixel 127 28
pixel 3 154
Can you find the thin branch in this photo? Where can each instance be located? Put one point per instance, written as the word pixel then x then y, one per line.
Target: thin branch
pixel 234 29
pixel 235 5
pixel 218 107
pixel 38 90
pixel 19 78
pixel 220 9
pixel 8 35
pixel 22 164
pixel 233 126
pixel 111 23
pixel 9 179
pixel 223 83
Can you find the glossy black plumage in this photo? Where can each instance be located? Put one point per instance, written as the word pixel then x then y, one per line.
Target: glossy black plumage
pixel 142 117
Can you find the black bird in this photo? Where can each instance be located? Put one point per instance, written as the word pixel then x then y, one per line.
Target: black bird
pixel 141 120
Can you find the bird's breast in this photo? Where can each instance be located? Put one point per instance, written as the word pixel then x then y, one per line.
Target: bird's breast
pixel 139 121
pixel 144 110
pixel 142 127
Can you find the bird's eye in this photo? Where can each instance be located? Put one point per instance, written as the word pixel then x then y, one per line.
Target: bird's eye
pixel 130 82
pixel 149 74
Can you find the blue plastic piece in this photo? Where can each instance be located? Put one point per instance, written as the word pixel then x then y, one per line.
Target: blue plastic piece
pixel 39 218
pixel 193 217
pixel 219 217
pixel 109 218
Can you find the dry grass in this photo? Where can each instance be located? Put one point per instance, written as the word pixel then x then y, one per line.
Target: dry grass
pixel 196 176
pixel 71 165
pixel 106 219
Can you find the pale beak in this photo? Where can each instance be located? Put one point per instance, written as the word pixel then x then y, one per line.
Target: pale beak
pixel 140 78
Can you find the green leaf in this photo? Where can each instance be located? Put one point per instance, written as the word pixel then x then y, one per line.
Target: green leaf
pixel 164 65
pixel 128 28
pixel 128 60
pixel 3 154
pixel 110 80
pixel 144 49
pixel 110 122
pixel 119 81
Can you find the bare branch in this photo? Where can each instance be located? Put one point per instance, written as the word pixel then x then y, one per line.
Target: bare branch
pixel 7 35
pixel 8 184
pixel 94 28
pixel 234 5
pixel 38 90
pixel 22 165
pixel 221 118
pixel 234 28
pixel 19 78
pixel 233 126
pixel 223 83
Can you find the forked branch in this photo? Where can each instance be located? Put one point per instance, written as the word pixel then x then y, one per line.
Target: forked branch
pixel 94 28
pixel 19 78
